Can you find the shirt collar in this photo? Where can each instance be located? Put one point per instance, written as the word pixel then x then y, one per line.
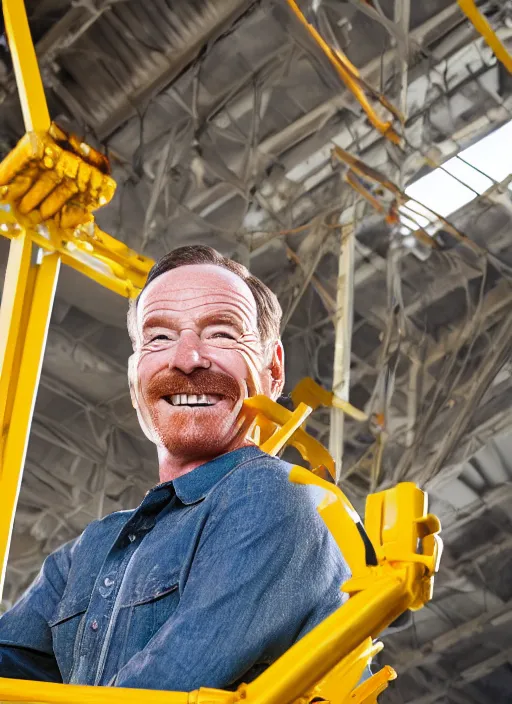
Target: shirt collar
pixel 195 485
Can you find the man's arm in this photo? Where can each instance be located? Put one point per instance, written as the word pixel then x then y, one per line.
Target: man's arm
pixel 26 651
pixel 265 572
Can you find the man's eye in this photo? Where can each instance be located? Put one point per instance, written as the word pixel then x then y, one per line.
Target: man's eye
pixel 225 335
pixel 160 337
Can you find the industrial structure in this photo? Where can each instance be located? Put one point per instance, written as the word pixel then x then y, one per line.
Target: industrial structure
pixel 332 147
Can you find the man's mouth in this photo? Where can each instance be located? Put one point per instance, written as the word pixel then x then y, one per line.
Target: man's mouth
pixel 193 399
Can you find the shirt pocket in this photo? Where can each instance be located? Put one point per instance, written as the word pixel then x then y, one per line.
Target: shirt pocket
pixel 144 615
pixel 67 625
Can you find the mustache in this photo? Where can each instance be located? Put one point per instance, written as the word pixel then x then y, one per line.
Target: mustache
pixel 199 382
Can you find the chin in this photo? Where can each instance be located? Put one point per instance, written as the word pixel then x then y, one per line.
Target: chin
pixel 197 434
pixel 197 446
pixel 197 440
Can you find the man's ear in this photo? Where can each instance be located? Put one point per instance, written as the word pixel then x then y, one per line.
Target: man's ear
pixel 276 368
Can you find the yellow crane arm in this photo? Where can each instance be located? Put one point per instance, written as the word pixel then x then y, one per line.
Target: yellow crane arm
pixel 483 27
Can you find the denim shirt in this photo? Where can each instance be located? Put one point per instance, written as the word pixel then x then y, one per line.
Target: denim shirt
pixel 213 577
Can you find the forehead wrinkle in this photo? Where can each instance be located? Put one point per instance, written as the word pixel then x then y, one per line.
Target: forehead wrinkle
pixel 228 308
pixel 243 312
pixel 241 299
pixel 164 316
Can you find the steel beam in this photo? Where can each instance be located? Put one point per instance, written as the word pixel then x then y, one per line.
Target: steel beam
pixel 11 315
pixel 470 674
pixel 402 19
pixel 311 122
pixel 228 14
pixel 22 387
pixel 342 342
pixel 431 651
pixel 28 78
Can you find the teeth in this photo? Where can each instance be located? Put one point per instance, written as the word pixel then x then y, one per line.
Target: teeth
pixel 192 400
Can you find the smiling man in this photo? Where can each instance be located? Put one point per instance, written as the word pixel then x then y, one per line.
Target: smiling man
pixel 225 564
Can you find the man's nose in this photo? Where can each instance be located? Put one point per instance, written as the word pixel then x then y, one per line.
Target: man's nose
pixel 188 354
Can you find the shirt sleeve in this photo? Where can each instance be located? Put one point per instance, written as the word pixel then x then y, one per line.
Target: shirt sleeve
pixel 26 651
pixel 265 571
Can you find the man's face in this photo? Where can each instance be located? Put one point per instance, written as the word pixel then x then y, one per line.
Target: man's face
pixel 197 357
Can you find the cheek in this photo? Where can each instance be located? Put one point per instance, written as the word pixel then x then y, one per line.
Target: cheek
pixel 243 364
pixel 148 364
pixel 229 361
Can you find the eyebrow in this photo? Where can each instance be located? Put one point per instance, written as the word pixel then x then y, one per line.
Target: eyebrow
pixel 155 320
pixel 221 319
pixel 162 320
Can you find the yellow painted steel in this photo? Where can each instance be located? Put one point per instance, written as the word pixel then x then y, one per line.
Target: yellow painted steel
pixel 314 656
pixel 340 517
pixel 15 439
pixel 269 417
pixel 352 79
pixel 368 691
pixel 308 391
pixel 282 436
pixel 55 180
pixel 11 312
pixel 26 691
pixel 50 184
pixel 28 77
pixel 483 27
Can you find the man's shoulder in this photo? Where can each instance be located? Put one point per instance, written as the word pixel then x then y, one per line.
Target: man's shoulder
pixel 268 477
pixel 259 469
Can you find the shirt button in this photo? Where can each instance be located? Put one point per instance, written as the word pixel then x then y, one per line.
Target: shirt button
pixel 132 537
pixel 108 582
pixel 94 625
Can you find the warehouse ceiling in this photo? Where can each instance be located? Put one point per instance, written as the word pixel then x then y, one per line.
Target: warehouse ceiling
pixel 220 118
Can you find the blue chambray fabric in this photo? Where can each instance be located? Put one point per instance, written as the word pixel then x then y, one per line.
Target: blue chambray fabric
pixel 208 581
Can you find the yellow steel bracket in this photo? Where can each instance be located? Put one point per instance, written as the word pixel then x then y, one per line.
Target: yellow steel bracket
pixel 51 182
pixel 368 691
pixel 309 392
pixel 483 27
pixel 276 426
pixel 406 541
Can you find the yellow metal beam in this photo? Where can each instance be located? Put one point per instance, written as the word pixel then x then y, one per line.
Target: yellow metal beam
pixel 352 80
pixel 297 671
pixel 28 77
pixel 483 27
pixel 55 179
pixel 26 691
pixel 100 257
pixel 38 302
pixel 11 312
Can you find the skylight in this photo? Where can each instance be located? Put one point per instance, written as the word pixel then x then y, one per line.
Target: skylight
pixel 459 180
